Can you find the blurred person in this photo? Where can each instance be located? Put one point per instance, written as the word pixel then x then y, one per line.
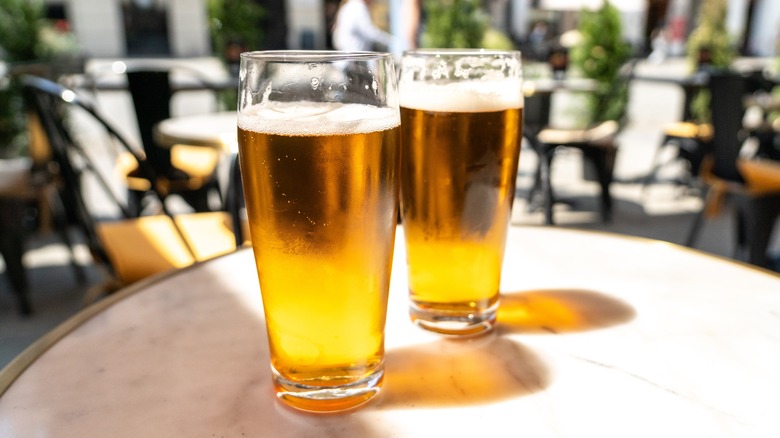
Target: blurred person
pixel 659 44
pixel 538 40
pixel 411 19
pixel 355 31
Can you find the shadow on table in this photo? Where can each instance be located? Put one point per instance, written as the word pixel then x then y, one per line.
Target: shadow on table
pixel 560 311
pixel 460 373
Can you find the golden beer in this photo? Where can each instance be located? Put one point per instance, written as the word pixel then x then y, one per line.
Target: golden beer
pixel 321 187
pixel 460 150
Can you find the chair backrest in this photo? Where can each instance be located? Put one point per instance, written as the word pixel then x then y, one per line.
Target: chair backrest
pixel 727 90
pixel 49 100
pixel 151 94
pixel 536 113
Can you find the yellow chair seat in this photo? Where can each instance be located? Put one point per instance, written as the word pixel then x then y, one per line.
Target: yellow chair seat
pixel 761 176
pixel 199 163
pixel 602 133
pixel 141 247
pixel 196 161
pixel 699 131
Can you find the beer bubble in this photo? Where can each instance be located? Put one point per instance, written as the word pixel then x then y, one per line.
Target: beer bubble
pixel 315 82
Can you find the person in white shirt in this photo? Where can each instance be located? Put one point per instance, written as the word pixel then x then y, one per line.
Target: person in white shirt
pixel 355 31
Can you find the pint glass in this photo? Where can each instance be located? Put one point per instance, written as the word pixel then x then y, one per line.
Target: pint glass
pixel 320 155
pixel 462 118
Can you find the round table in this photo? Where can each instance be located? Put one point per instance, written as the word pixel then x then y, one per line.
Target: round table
pixel 217 130
pixel 598 335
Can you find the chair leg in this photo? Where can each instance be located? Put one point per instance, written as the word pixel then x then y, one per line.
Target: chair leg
pixel 61 226
pixel 652 175
pixel 197 199
pixel 135 202
pixel 548 198
pixel 12 254
pixel 537 185
pixel 234 200
pixel 602 159
pixel 693 232
pixel 758 215
pixel 12 250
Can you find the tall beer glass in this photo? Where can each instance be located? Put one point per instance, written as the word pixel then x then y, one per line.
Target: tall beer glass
pixel 320 156
pixel 462 118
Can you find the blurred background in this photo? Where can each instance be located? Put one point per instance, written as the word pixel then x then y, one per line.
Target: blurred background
pixel 80 43
pixel 186 28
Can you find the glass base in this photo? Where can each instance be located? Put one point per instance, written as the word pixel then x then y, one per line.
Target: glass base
pixel 454 323
pixel 328 398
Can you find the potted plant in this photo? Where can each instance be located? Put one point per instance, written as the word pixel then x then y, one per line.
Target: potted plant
pixel 235 28
pixel 28 44
pixel 599 55
pixel 453 24
pixel 20 24
pixel 709 48
pixel 460 24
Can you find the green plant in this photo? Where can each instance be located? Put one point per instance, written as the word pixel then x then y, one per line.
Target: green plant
pixel 454 24
pixel 235 23
pixel 599 55
pixel 235 27
pixel 495 39
pixel 709 47
pixel 20 25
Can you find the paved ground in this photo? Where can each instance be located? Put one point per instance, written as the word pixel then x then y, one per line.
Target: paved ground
pixel 662 211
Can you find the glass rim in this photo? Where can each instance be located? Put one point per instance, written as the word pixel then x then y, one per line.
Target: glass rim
pixel 461 52
pixel 312 55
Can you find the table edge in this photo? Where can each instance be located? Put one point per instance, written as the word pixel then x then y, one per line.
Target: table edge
pixel 679 246
pixel 14 369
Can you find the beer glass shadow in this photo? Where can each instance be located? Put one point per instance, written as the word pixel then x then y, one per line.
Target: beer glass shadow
pixel 559 311
pixel 460 372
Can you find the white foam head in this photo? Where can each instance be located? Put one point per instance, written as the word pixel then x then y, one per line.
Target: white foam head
pixel 309 118
pixel 470 96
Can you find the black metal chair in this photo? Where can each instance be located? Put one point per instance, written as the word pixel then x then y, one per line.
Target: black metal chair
pixel 756 205
pixel 30 202
pixel 187 175
pixel 132 246
pixel 596 141
pixel 687 138
pixel 760 86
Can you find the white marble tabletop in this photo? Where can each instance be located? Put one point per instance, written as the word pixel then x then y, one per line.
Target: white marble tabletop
pixel 598 335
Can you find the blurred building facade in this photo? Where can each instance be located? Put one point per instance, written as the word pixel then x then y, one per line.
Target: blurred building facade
pixel 179 28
